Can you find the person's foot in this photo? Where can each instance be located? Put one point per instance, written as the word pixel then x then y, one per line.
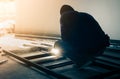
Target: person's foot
pixel 81 67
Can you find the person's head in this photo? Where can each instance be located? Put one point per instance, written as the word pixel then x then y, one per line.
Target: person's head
pixel 66 8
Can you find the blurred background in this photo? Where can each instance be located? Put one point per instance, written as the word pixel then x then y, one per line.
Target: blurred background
pixel 29 29
pixel 41 17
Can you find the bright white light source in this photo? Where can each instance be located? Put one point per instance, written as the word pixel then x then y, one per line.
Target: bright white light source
pixel 55 52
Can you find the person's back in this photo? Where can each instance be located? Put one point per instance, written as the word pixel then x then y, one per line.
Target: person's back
pixel 81 29
pixel 83 33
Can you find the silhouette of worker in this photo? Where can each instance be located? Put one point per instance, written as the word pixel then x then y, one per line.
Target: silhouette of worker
pixel 82 37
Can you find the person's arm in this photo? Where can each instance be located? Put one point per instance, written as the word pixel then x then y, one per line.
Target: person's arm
pixel 67 23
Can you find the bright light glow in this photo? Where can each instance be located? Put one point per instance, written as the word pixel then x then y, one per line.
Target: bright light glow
pixel 55 52
pixel 7 10
pixel 7 27
pixel 10 42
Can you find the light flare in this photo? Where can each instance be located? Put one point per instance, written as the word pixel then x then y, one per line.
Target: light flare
pixel 56 52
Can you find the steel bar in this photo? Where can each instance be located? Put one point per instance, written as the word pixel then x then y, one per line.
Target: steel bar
pixel 107 74
pixel 3 61
pixel 39 67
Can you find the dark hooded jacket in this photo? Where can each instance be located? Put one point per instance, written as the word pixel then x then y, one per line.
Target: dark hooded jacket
pixel 82 31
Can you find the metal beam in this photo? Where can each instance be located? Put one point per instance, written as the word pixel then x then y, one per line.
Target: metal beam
pixel 39 67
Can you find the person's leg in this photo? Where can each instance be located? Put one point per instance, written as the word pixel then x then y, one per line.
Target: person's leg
pixel 77 56
pixel 89 56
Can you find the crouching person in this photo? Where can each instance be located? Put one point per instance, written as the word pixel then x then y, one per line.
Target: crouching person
pixel 82 38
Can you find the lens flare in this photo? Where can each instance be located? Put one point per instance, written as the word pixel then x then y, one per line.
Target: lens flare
pixel 55 52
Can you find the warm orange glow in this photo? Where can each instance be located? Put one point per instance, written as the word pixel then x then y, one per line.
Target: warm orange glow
pixel 7 10
pixel 7 16
pixel 7 27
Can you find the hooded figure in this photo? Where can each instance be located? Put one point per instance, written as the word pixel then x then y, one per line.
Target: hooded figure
pixel 82 36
